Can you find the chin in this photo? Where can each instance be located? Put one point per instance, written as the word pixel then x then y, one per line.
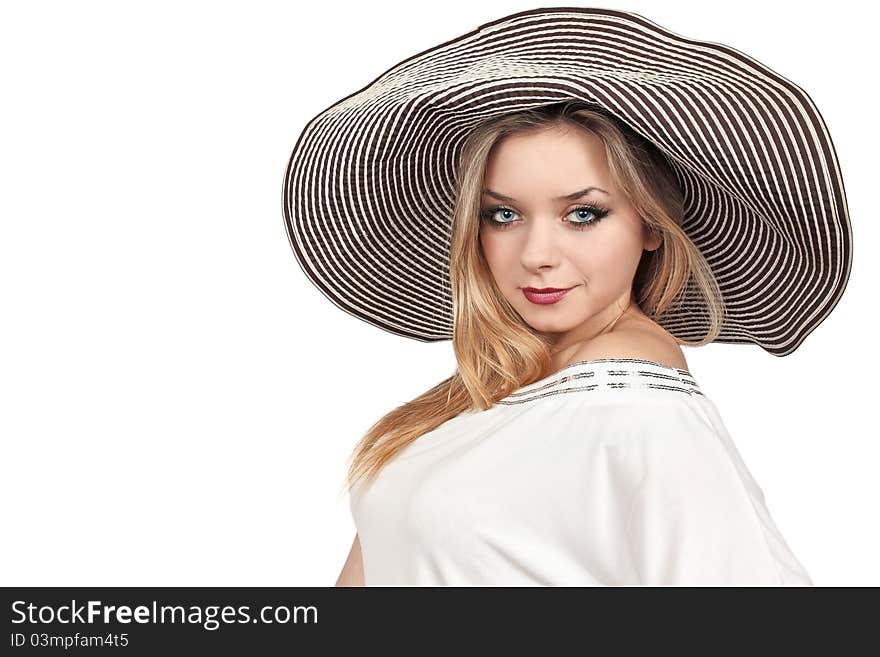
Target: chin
pixel 547 325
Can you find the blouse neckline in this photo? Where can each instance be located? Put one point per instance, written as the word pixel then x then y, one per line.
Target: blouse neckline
pixel 607 374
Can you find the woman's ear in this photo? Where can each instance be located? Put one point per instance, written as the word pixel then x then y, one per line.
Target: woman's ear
pixel 653 239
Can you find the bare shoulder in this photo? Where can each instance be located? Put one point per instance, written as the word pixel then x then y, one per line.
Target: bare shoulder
pixel 635 342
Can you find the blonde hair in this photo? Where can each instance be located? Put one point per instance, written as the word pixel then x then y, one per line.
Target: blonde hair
pixel 496 351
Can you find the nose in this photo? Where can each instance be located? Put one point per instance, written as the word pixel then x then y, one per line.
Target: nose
pixel 540 247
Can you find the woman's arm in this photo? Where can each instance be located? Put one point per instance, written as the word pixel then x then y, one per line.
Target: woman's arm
pixel 353 571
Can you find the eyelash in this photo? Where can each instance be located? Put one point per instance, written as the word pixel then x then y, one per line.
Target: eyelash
pixel 598 212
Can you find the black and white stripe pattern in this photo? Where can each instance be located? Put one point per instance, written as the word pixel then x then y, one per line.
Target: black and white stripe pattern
pixel 368 193
pixel 604 374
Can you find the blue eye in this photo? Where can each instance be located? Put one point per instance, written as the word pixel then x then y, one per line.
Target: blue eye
pixel 598 214
pixel 488 214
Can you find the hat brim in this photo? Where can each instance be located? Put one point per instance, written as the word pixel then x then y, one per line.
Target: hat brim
pixel 368 193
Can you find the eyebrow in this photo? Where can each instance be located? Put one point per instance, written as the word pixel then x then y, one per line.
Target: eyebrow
pixel 567 197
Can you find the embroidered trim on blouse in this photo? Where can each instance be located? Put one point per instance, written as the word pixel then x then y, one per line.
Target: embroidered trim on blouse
pixel 637 377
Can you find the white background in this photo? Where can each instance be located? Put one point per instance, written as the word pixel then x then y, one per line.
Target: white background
pixel 177 401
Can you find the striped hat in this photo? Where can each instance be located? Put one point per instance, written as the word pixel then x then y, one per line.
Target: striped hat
pixel 369 191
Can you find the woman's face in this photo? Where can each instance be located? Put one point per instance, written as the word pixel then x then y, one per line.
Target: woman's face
pixel 545 241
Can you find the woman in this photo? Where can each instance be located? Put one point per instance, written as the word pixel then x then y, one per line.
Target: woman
pixel 572 446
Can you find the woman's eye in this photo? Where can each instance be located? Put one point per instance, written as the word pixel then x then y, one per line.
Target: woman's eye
pixel 583 216
pixel 595 214
pixel 505 215
pixel 582 219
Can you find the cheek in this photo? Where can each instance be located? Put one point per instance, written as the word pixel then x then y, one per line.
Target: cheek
pixel 492 250
pixel 602 261
pixel 598 260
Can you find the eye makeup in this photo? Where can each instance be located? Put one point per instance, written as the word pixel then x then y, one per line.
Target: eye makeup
pixel 596 210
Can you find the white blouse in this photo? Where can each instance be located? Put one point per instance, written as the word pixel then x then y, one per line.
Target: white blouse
pixel 612 472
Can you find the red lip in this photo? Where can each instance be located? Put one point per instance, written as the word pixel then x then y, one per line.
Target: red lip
pixel 545 296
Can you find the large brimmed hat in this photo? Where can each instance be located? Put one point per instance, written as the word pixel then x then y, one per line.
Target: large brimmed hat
pixel 369 191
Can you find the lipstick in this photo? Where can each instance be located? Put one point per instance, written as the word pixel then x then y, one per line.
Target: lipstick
pixel 546 295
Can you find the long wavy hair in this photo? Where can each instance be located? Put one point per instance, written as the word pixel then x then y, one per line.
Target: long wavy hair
pixel 496 350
